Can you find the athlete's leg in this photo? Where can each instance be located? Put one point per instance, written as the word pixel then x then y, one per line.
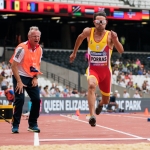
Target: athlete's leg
pixel 105 87
pixel 105 100
pixel 92 83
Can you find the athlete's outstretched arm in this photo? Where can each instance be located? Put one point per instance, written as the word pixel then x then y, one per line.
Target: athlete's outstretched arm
pixel 116 42
pixel 79 40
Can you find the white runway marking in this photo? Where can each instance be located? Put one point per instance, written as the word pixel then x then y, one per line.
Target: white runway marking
pixel 92 139
pixel 36 139
pixel 141 115
pixel 134 117
pixel 135 137
pixel 132 135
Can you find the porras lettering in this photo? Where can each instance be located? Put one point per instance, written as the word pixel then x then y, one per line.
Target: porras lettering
pixel 98 58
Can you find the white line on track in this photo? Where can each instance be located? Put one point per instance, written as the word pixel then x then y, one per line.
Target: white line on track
pixel 92 139
pixel 134 117
pixel 36 139
pixel 140 115
pixel 132 135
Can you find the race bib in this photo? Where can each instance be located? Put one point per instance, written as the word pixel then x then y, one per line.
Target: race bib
pixel 98 58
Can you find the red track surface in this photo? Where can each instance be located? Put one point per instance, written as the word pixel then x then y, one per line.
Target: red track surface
pixel 109 127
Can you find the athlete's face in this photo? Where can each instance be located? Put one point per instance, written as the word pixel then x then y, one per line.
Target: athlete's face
pixel 100 23
pixel 34 38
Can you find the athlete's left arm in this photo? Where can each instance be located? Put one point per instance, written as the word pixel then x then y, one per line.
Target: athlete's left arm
pixel 117 44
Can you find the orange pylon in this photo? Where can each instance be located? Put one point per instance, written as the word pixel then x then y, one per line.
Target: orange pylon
pixel 146 113
pixel 78 112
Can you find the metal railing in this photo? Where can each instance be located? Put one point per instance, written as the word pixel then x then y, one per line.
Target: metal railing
pixel 59 79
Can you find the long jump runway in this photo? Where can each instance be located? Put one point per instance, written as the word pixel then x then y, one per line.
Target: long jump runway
pixel 63 129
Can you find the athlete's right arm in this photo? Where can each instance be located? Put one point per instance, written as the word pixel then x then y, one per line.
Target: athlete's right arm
pixel 79 40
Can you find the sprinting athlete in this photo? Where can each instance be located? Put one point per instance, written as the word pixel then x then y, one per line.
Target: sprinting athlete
pixel 100 46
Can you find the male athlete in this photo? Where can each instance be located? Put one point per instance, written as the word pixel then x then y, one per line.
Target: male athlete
pixel 100 46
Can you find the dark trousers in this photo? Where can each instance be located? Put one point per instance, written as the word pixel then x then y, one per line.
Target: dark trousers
pixel 34 95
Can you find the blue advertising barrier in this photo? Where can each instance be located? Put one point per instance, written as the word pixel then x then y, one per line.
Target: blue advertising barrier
pixel 70 105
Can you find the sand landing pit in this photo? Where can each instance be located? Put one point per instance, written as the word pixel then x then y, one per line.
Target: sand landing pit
pixel 139 146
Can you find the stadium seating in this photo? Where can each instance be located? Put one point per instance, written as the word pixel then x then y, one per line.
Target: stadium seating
pixel 142 57
pixel 138 3
pixel 95 2
pixel 124 3
pixel 61 58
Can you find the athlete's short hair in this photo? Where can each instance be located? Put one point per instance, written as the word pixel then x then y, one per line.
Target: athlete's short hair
pixel 33 28
pixel 100 13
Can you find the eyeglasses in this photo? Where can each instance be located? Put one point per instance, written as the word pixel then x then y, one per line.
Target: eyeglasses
pixel 35 36
pixel 103 22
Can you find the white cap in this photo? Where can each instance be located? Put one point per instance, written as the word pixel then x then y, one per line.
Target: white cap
pixel 111 93
pixel 116 91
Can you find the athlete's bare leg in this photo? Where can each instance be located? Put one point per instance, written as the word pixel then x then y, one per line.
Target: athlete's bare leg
pixel 92 83
pixel 105 100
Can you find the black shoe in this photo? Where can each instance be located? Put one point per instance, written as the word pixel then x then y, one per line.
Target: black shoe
pixel 92 121
pixel 34 129
pixel 15 129
pixel 98 109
